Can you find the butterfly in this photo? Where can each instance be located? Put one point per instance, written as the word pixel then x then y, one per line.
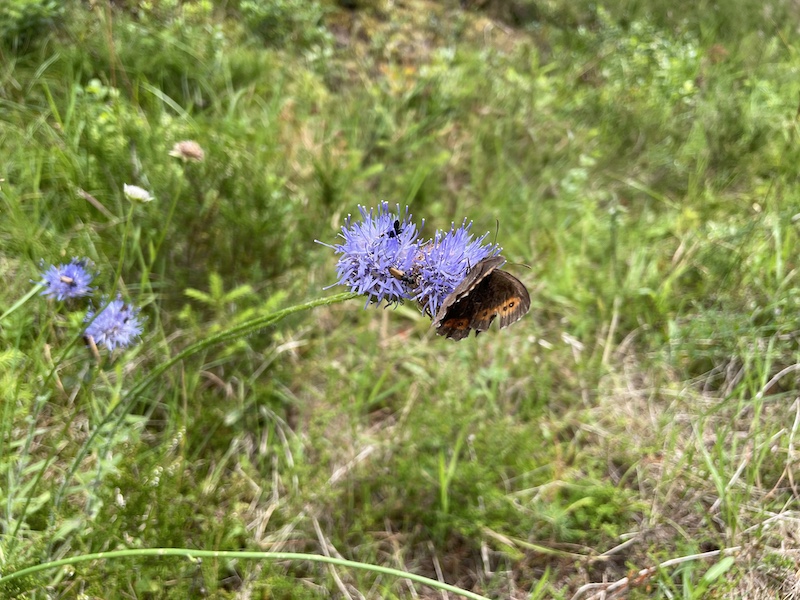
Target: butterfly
pixel 485 293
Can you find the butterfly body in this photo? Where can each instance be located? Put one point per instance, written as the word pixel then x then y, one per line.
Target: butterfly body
pixel 483 295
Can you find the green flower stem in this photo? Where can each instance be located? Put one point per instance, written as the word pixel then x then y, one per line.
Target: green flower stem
pixel 122 250
pixel 165 227
pixel 137 390
pixel 185 552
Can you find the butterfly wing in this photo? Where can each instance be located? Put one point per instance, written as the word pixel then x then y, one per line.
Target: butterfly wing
pixel 484 294
pixel 475 275
pixel 500 295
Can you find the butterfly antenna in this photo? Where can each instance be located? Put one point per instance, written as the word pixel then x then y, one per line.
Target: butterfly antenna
pixel 519 264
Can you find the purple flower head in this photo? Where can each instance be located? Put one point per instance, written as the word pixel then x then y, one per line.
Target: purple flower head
pixel 444 261
pixel 379 241
pixel 116 324
pixel 69 280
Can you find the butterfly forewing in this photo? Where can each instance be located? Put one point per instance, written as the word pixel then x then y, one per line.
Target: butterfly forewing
pixel 467 285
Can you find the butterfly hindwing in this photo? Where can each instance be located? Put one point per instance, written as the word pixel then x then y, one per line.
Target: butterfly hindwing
pixel 483 295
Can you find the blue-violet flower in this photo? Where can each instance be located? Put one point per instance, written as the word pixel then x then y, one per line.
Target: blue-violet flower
pixel 69 280
pixel 444 262
pixel 381 240
pixel 115 326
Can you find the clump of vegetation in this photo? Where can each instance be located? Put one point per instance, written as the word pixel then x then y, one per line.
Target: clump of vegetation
pixel 294 22
pixel 24 22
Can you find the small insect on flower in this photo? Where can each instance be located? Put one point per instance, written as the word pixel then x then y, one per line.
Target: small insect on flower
pixel 454 278
pixel 395 230
pixel 69 280
pixel 380 242
pixel 115 325
pixel 188 150
pixel 136 194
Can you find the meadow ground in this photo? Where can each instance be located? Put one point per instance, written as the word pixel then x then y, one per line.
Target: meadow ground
pixel 634 435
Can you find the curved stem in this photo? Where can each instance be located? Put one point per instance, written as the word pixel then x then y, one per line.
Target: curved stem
pixel 241 555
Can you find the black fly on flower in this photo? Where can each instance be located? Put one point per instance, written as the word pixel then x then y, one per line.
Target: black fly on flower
pixel 455 278
pixel 382 240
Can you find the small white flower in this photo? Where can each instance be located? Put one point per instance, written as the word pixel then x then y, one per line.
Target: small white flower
pixel 136 194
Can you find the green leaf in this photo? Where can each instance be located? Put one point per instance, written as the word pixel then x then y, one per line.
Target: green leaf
pixel 199 296
pixel 718 570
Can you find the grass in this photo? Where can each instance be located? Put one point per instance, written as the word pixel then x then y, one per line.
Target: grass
pixel 635 434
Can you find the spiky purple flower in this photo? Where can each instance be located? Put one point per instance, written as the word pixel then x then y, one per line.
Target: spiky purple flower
pixel 69 280
pixel 381 240
pixel 444 261
pixel 115 326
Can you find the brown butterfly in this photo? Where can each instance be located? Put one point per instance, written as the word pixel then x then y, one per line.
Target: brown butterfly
pixel 485 293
